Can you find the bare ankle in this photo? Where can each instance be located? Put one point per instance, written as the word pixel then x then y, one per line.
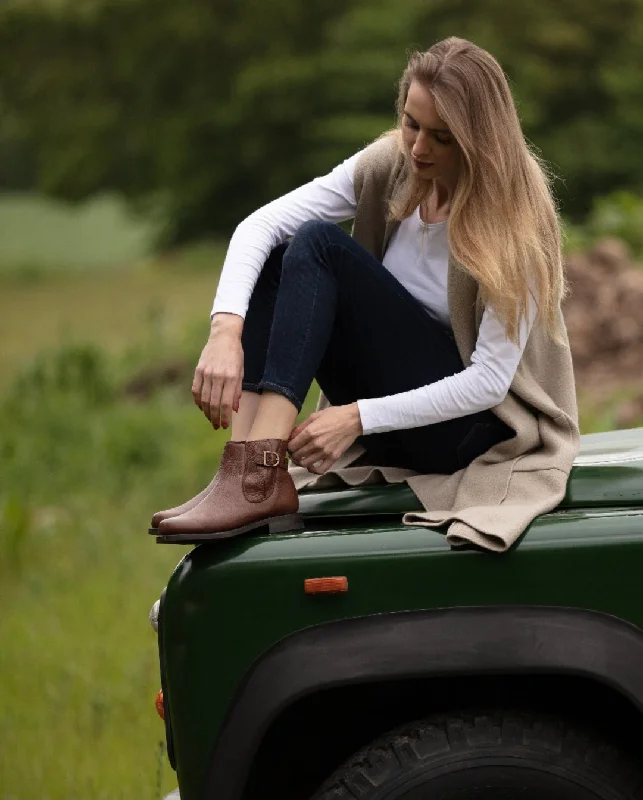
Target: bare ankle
pixel 243 419
pixel 275 418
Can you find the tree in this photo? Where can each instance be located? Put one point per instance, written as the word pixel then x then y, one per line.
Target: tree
pixel 213 108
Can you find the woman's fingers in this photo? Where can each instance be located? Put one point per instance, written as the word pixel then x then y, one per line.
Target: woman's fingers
pixel 300 436
pixel 317 447
pixel 215 399
pixel 307 451
pixel 206 391
pixel 322 467
pixel 197 386
pixel 227 400
pixel 217 383
pixel 307 456
pixel 215 402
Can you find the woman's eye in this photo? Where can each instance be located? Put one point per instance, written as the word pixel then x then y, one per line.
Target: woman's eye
pixel 440 140
pixel 412 125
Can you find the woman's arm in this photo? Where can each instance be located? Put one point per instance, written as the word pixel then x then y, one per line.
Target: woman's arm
pixel 480 386
pixel 218 377
pixel 330 198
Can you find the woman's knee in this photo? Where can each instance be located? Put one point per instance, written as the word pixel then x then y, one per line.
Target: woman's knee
pixel 315 231
pixel 314 242
pixel 316 227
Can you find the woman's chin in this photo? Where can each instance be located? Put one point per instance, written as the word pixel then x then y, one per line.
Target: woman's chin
pixel 422 174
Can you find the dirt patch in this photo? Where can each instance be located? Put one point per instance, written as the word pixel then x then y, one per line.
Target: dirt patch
pixel 148 381
pixel 604 318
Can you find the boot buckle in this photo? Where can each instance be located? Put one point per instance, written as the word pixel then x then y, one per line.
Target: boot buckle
pixel 271 453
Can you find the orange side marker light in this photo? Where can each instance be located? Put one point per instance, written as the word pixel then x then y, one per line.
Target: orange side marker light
pixel 159 704
pixel 326 585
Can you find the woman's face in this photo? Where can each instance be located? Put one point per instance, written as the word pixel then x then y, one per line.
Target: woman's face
pixel 433 151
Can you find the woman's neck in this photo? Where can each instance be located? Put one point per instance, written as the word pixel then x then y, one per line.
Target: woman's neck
pixel 437 204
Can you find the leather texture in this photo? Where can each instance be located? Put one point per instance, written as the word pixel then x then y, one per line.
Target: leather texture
pixel 244 491
pixel 178 510
pixel 259 481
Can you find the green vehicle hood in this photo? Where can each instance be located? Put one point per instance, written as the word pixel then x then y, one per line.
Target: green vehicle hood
pixel 228 603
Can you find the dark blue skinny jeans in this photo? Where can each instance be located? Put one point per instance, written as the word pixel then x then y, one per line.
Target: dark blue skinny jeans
pixel 325 308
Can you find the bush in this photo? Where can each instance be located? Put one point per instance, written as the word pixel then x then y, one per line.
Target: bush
pixel 619 214
pixel 616 215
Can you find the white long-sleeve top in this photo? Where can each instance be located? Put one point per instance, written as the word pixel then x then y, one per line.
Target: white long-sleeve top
pixel 417 256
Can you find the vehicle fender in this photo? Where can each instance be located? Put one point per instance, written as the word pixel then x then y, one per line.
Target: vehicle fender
pixel 443 642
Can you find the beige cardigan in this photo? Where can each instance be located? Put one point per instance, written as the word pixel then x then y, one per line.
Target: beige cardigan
pixel 493 500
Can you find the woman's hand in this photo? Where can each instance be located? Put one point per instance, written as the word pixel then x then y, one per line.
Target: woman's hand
pixel 324 436
pixel 216 388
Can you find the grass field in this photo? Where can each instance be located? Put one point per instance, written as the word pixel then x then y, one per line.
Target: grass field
pixel 78 662
pixel 82 468
pixel 82 474
pixel 116 308
pixel 79 480
pixel 39 233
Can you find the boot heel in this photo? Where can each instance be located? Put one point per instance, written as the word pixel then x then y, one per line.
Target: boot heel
pixel 289 522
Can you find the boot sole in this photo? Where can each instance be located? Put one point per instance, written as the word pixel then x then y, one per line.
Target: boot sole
pixel 288 522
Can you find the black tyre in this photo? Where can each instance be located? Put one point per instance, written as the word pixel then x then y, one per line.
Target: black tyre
pixel 492 756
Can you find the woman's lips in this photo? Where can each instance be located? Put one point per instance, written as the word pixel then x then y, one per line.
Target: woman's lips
pixel 421 164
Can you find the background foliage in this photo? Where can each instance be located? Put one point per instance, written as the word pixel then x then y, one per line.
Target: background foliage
pixel 206 110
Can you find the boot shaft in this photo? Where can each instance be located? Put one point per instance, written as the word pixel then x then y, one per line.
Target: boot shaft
pixel 266 471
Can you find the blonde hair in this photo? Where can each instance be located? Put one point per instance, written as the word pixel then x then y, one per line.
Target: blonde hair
pixel 503 225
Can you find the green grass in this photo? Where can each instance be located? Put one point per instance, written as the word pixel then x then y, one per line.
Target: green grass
pixel 37 232
pixel 83 468
pixel 78 664
pixel 78 574
pixel 82 472
pixel 113 308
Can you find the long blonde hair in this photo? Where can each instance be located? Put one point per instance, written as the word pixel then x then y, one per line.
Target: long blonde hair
pixel 503 225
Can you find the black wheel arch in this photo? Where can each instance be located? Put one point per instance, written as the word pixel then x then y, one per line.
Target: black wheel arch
pixel 439 643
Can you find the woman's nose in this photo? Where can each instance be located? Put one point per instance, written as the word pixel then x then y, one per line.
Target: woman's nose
pixel 422 154
pixel 421 147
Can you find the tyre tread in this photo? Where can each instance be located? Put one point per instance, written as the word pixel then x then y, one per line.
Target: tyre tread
pixel 424 741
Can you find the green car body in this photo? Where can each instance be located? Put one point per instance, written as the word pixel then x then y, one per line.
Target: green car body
pixel 258 675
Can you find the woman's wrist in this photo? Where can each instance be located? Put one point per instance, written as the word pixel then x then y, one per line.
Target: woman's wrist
pixel 226 322
pixel 357 419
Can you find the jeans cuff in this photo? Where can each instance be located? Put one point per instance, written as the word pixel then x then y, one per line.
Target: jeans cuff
pixel 275 387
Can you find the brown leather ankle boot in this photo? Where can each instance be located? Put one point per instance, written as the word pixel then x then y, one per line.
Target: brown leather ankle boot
pixel 187 506
pixel 254 489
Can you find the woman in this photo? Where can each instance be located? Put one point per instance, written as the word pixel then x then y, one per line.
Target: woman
pixel 435 331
